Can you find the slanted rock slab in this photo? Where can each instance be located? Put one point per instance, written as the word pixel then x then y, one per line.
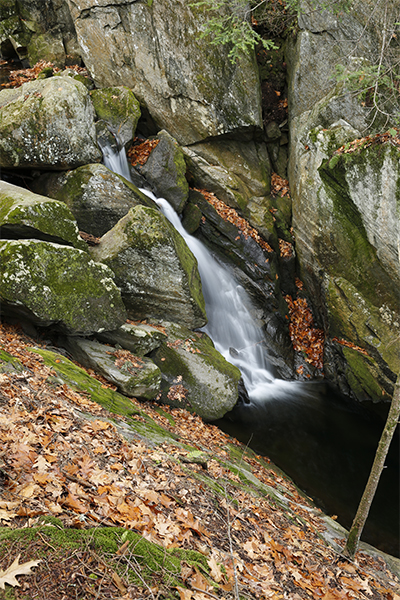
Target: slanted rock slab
pixel 195 375
pixel 27 215
pixel 140 339
pixel 154 268
pixel 58 285
pixel 133 375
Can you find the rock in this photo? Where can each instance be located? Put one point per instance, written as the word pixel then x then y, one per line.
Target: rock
pixel 37 30
pixel 347 242
pixel 118 107
pixel 165 171
pixel 47 46
pixel 234 171
pixel 190 87
pixel 27 215
pixel 156 271
pixel 140 339
pixel 195 374
pixel 97 197
pixel 133 375
pixel 47 123
pixel 58 285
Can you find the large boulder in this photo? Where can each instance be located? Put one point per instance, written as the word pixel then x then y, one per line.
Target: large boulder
pixel 27 215
pixel 195 375
pixel 133 375
pixel 57 285
pixel 165 171
pixel 97 197
pixel 347 235
pixel 190 87
pixel 118 107
pixel 47 123
pixel 154 268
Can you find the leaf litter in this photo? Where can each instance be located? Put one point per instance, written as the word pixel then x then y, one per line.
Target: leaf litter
pixel 63 457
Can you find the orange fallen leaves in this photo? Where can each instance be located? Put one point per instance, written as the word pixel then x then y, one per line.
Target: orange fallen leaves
pixel 230 214
pixel 305 337
pixel 350 345
pixel 279 186
pixel 140 151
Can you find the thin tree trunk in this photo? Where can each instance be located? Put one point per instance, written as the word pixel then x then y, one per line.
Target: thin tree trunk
pixel 365 504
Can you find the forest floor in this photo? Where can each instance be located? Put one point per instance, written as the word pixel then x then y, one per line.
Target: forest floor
pixel 93 508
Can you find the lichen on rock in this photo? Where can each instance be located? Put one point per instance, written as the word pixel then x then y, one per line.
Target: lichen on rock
pixel 58 285
pixel 154 268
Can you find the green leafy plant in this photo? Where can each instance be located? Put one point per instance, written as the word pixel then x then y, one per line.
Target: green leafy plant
pixel 245 24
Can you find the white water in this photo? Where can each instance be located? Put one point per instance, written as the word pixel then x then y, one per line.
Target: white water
pixel 230 324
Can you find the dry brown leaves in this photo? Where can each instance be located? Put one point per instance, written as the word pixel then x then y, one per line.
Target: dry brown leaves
pixel 392 136
pixel 305 337
pixel 84 472
pixel 21 76
pixel 279 186
pixel 140 151
pixel 229 214
pixel 285 248
pixel 350 345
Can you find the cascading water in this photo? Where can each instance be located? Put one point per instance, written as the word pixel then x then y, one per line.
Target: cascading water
pixel 230 324
pixel 322 440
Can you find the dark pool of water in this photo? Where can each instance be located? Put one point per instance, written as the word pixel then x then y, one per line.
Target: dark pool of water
pixel 327 444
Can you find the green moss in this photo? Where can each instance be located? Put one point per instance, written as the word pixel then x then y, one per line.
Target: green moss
pixel 9 363
pixel 363 376
pixel 78 379
pixel 117 106
pixel 60 284
pixel 357 260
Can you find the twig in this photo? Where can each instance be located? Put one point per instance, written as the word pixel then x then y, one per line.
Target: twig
pixel 231 546
pixel 204 592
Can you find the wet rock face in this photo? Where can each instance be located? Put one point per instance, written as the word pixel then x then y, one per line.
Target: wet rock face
pixel 47 123
pixel 155 270
pixel 58 285
pixel 189 87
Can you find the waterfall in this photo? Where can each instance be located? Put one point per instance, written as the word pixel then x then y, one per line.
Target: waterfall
pixel 230 324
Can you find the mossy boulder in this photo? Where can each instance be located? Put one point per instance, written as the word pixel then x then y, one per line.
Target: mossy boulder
pixel 47 123
pixel 27 215
pixel 196 376
pixel 139 338
pixel 119 108
pixel 154 268
pixel 58 285
pixel 165 171
pixel 133 375
pixel 97 197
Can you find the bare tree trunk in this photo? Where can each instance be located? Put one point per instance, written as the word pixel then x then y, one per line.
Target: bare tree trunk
pixel 365 504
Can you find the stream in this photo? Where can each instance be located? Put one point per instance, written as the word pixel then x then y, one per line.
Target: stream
pixel 325 442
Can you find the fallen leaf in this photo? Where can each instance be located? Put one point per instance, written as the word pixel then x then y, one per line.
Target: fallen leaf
pixel 9 575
